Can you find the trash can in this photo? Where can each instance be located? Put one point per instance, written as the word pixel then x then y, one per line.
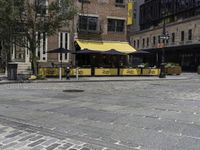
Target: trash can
pixel 12 71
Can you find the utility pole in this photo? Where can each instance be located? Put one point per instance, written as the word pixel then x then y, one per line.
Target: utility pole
pixel 164 38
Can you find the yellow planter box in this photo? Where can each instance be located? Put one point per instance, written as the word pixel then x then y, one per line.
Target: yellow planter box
pixel 151 72
pixel 50 72
pixel 130 72
pixel 81 72
pixel 105 72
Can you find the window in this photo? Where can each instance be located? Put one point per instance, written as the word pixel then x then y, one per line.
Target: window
pixel 119 3
pixel 138 43
pixel 41 6
pixel 143 43
pixel 159 39
pixel 154 40
pixel 41 50
pixel 84 1
pixel 134 43
pixel 182 36
pixel 115 25
pixel 173 37
pixel 190 34
pixel 88 23
pixel 63 43
pixel 147 42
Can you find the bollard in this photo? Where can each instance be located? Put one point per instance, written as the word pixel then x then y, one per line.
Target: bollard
pixel 77 73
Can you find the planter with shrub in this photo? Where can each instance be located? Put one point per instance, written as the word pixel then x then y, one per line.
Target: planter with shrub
pixel 173 69
pixel 198 69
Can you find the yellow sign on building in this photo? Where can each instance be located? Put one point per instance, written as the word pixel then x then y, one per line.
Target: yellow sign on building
pixel 130 13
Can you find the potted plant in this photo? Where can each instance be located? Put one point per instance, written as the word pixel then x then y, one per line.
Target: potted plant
pixel 198 69
pixel 173 69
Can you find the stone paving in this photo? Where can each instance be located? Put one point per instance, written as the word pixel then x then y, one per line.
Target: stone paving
pixel 20 139
pixel 123 115
pixel 12 138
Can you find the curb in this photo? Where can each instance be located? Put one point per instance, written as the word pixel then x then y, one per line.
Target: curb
pixel 103 80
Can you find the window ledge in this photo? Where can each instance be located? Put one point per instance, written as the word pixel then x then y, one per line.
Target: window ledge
pixel 112 32
pixel 84 1
pixel 122 5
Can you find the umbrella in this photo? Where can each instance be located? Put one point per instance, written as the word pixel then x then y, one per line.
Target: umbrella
pixel 112 52
pixel 59 50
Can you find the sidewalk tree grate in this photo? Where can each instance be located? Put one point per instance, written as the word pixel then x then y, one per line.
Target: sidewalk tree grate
pixel 73 90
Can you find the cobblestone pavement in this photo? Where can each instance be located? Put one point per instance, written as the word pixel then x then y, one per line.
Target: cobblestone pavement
pixel 128 115
pixel 12 138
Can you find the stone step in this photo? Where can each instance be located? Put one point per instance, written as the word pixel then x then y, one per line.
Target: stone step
pixel 24 68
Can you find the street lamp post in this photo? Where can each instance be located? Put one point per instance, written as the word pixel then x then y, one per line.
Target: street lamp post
pixel 164 38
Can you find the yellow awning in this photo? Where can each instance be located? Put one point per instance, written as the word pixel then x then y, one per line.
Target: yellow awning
pixel 103 46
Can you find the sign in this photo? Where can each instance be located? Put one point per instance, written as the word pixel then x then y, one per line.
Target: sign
pixel 151 72
pixel 130 14
pixel 81 72
pixel 130 72
pixel 105 72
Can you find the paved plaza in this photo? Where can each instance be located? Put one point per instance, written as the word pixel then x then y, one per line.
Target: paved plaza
pixel 122 115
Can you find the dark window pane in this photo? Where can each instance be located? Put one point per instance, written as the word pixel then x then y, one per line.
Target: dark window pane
pixel 120 26
pixel 111 25
pixel 119 1
pixel 92 23
pixel 115 25
pixel 190 34
pixel 83 22
pixel 138 43
pixel 182 36
pixel 154 40
pixel 61 40
pixel 147 42
pixel 173 37
pixel 88 23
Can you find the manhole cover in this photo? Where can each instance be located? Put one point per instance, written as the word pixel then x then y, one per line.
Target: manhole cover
pixel 73 90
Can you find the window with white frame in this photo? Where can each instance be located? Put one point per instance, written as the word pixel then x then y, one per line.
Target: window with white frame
pixel 63 42
pixel 41 7
pixel 41 50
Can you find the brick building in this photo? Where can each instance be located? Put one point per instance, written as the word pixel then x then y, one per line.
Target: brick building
pixel 182 25
pixel 96 20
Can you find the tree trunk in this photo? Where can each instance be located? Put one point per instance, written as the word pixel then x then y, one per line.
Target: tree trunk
pixel 33 58
pixel 34 65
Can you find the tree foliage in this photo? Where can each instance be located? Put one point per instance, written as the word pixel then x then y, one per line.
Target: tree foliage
pixel 21 20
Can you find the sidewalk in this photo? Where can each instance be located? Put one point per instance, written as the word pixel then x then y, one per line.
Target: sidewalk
pixel 183 76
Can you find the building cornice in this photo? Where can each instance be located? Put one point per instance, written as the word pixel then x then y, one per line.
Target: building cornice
pixel 168 25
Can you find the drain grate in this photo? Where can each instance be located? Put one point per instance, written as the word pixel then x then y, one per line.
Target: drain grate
pixel 73 90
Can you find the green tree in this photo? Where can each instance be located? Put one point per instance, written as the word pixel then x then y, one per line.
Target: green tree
pixel 21 20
